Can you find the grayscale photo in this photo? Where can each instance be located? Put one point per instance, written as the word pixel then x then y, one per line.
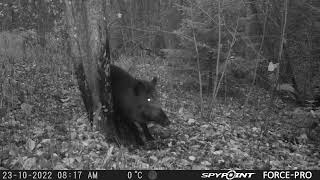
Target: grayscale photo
pixel 218 89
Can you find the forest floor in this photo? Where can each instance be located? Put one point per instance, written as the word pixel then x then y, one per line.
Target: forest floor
pixel 43 126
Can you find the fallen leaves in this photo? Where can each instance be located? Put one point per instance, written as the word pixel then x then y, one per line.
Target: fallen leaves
pixel 27 108
pixel 46 137
pixel 30 145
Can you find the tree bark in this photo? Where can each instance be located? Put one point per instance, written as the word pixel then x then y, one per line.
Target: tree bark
pixel 90 50
pixel 42 18
pixel 253 28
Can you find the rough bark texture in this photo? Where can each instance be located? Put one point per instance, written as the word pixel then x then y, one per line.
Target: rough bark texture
pixel 90 50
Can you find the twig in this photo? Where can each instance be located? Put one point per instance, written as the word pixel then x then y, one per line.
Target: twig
pixel 198 63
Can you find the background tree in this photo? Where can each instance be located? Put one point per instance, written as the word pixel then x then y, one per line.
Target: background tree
pixel 256 27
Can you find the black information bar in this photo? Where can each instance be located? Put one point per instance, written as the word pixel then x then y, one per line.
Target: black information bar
pixel 157 174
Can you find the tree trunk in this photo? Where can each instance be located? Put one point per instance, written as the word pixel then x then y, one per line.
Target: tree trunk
pixel 211 59
pixel 119 34
pixel 90 50
pixel 42 18
pixel 253 28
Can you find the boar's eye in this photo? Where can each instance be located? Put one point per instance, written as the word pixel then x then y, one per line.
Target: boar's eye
pixel 149 99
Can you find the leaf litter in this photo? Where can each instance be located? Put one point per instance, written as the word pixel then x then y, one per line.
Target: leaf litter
pixel 49 132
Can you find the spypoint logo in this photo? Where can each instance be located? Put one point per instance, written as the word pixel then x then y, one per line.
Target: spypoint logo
pixel 232 174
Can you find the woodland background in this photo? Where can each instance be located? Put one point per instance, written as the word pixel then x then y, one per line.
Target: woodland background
pixel 239 79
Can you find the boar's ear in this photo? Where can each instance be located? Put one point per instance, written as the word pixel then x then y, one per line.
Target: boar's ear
pixel 154 80
pixel 139 87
